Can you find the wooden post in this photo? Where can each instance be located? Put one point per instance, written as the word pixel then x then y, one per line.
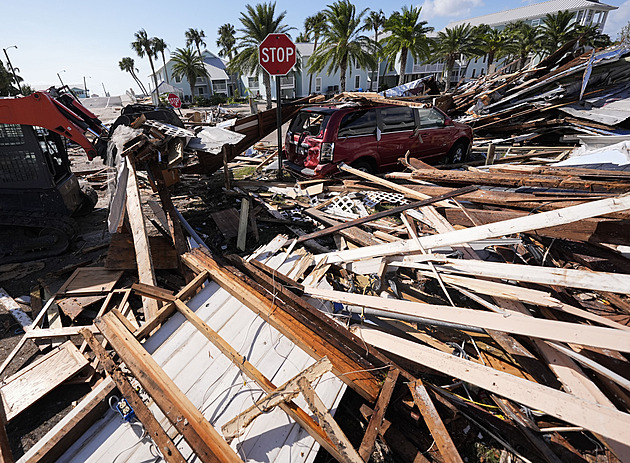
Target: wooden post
pixel 242 225
pixel 490 154
pixel 226 151
pixel 146 274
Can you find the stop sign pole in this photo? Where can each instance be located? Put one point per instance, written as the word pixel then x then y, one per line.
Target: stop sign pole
pixel 276 55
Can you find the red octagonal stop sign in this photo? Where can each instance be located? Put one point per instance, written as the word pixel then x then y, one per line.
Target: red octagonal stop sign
pixel 276 54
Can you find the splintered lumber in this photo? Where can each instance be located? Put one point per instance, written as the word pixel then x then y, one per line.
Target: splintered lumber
pixel 30 384
pixel 288 391
pixel 591 230
pixel 387 213
pixel 506 227
pixel 584 279
pixel 347 453
pixel 302 327
pixel 252 372
pixel 146 274
pixel 6 456
pixel 56 441
pixel 606 421
pixel 12 307
pixel 434 422
pixel 369 438
pixel 517 180
pixel 204 440
pixel 588 335
pixel 167 448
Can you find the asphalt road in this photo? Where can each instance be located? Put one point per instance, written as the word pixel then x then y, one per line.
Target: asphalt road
pixel 102 102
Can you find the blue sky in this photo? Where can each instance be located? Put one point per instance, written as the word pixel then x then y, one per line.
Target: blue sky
pixel 89 38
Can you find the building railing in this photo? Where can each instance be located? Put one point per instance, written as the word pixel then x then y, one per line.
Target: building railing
pixel 287 82
pixel 219 86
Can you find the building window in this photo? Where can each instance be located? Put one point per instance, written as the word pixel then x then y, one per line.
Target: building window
pixel 200 91
pixel 536 22
pixel 357 81
pixel 589 18
pixel 318 84
pixel 358 66
pixel 473 74
pixel 200 80
pixel 484 59
pixel 579 17
pixel 252 82
pixel 178 79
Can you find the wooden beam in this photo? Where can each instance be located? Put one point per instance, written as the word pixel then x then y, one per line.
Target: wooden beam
pixel 56 441
pixel 434 422
pixel 12 307
pixel 6 456
pixel 369 438
pixel 288 391
pixel 596 336
pixel 164 443
pixel 507 227
pixel 153 292
pixel 347 453
pixel 205 441
pixel 242 225
pixel 146 273
pixel 606 421
pixel 295 412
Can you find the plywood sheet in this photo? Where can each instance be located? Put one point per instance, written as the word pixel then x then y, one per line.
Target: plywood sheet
pixel 89 281
pixel 122 255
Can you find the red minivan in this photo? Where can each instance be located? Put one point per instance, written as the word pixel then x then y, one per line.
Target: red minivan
pixel 371 138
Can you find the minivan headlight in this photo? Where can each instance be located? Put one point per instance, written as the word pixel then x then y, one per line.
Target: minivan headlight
pixel 326 152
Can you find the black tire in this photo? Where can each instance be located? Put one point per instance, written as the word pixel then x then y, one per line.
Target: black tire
pixel 364 166
pixel 458 153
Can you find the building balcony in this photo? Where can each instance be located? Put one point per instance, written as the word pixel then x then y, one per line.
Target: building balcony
pixel 287 82
pixel 427 68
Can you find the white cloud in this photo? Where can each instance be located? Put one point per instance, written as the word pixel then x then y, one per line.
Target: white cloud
pixel 449 8
pixel 617 19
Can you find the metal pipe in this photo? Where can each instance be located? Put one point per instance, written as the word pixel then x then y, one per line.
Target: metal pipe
pixel 190 229
pixel 411 318
pixel 279 123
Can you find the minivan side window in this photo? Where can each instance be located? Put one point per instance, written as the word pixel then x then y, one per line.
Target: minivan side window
pixel 358 123
pixel 430 118
pixel 397 119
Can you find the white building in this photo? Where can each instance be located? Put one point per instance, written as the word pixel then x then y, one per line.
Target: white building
pixel 217 82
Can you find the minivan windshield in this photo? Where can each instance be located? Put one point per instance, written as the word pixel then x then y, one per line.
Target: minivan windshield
pixel 312 123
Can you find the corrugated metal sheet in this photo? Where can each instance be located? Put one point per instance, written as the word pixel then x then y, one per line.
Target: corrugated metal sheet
pixel 216 386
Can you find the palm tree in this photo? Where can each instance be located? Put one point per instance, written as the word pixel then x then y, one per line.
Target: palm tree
pixel 407 35
pixel 494 44
pixel 127 64
pixel 196 37
pixel 226 41
pixel 451 43
pixel 343 43
pixel 524 40
pixel 375 20
pixel 591 36
pixel 258 22
pixel 313 27
pixel 187 63
pixel 143 45
pixel 556 30
pixel 160 46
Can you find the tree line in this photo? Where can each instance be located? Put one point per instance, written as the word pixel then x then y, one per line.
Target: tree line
pixel 343 37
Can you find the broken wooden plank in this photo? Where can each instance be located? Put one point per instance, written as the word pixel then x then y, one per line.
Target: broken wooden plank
pixel 606 421
pixel 347 453
pixel 507 227
pixel 287 391
pixel 88 281
pixel 369 438
pixel 12 307
pixel 154 292
pixel 56 441
pixel 30 384
pixel 167 448
pixel 434 422
pixel 205 441
pixel 242 224
pixel 6 456
pixel 146 273
pixel 596 336
pixel 121 254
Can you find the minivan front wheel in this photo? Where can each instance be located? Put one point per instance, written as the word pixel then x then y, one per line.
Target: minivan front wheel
pixel 458 153
pixel 364 166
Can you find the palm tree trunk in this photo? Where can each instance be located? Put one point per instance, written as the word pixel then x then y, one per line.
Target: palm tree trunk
pixel 450 62
pixel 522 63
pixel 191 83
pixel 154 75
pixel 165 69
pixel 343 66
pixel 310 79
pixel 403 66
pixel 139 82
pixel 378 61
pixel 267 83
